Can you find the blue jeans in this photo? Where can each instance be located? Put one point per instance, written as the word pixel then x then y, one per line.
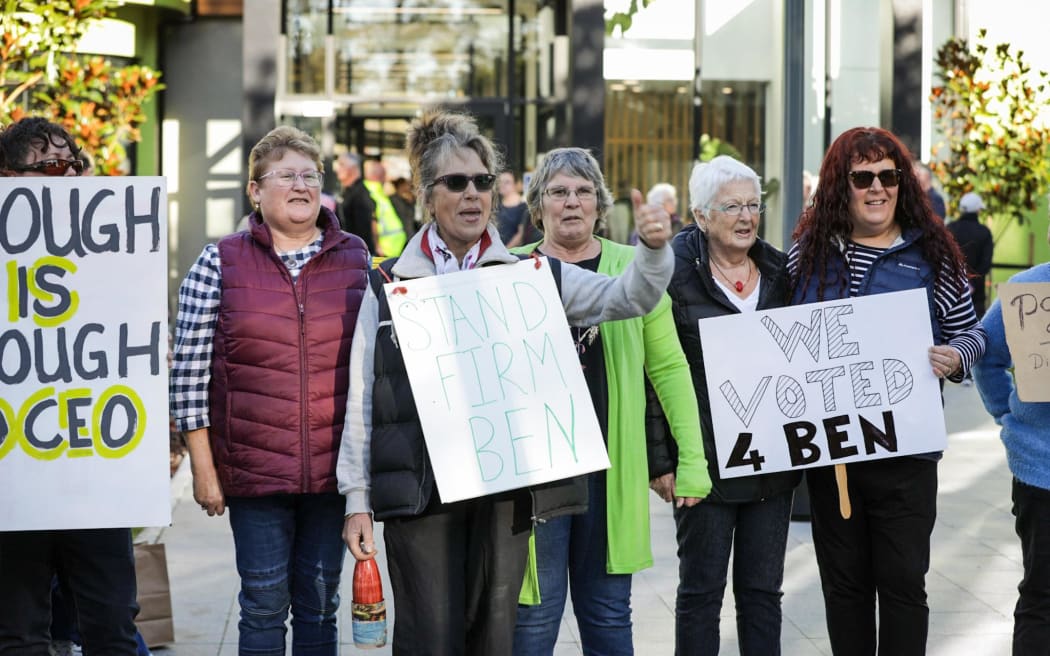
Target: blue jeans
pixel 572 549
pixel 289 554
pixel 756 534
pixel 99 566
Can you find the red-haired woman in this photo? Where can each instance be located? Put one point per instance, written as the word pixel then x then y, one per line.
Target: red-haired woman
pixel 870 230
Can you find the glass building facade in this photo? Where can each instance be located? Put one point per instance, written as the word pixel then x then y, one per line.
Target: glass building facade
pixel 358 71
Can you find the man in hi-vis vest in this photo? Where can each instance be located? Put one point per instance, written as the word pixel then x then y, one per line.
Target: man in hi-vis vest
pixel 390 233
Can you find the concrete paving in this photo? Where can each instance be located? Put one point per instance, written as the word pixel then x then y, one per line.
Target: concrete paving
pixel 972 584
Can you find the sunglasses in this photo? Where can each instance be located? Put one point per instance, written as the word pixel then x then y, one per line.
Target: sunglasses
pixel 459 181
pixel 864 179
pixel 53 167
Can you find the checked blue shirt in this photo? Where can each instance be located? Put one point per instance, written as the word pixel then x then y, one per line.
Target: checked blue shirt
pixel 199 297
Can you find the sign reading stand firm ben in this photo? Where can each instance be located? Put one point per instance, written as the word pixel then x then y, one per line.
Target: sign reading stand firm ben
pixel 83 365
pixel 496 379
pixel 823 383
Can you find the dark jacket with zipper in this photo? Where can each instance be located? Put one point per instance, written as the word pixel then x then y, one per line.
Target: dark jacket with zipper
pixel 900 267
pixel 402 476
pixel 695 296
pixel 279 372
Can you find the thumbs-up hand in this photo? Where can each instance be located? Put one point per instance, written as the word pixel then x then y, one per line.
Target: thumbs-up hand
pixel 651 222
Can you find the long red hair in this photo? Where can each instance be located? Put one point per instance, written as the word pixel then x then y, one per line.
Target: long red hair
pixel 826 222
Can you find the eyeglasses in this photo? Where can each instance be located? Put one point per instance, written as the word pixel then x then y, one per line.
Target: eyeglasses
pixel 736 209
pixel 562 193
pixel 287 177
pixel 864 179
pixel 53 167
pixel 458 181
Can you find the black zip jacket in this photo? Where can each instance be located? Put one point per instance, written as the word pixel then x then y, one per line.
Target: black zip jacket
pixel 695 296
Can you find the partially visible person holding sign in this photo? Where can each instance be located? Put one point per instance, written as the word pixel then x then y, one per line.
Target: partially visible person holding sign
pixel 98 565
pixel 596 553
pixel 263 335
pixel 456 568
pixel 723 268
pixel 1024 306
pixel 870 230
pixel 1025 320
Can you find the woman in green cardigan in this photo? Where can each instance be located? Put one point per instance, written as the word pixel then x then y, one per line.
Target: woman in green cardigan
pixel 597 552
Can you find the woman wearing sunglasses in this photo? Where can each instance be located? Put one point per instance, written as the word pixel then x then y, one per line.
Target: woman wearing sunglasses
pixel 259 384
pixel 871 230
pixel 35 147
pixel 456 568
pixel 97 566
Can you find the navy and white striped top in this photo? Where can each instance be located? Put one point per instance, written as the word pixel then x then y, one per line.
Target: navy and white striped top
pixel 952 302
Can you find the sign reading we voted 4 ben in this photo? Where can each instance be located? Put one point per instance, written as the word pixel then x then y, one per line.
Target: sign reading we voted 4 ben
pixel 496 379
pixel 83 353
pixel 824 383
pixel 1026 319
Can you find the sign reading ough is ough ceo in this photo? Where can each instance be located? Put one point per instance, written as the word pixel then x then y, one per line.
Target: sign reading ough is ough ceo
pixel 823 383
pixel 83 353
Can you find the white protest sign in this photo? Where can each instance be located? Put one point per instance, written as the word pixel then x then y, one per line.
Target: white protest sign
pixel 83 353
pixel 496 379
pixel 1026 318
pixel 832 382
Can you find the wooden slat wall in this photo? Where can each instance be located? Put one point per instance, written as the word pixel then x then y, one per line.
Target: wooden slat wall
pixel 648 139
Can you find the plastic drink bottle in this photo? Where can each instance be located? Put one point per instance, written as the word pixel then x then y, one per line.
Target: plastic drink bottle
pixel 368 608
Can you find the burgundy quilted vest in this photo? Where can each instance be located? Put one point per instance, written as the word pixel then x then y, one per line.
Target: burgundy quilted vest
pixel 279 370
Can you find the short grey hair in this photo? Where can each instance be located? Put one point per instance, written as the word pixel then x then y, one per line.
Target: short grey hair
pixel 708 178
pixel 349 160
pixel 576 162
pixel 660 192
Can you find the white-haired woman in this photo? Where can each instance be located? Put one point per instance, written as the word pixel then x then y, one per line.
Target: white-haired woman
pixel 722 267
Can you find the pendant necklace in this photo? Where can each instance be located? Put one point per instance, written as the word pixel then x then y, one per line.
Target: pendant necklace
pixel 738 285
pixel 584 337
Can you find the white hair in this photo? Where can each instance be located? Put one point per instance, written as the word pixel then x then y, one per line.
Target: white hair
pixel 708 178
pixel 661 192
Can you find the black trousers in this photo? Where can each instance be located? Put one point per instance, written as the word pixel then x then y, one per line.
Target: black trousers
pixel 456 573
pixel 1032 612
pixel 882 551
pixel 99 566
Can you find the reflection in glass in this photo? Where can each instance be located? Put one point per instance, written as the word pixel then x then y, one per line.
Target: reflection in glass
pixel 375 61
pixel 449 48
pixel 305 27
pixel 444 49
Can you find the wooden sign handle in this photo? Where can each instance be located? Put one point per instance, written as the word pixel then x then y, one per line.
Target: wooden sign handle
pixel 840 482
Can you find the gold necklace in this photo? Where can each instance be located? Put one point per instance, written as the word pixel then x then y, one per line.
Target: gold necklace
pixel 738 285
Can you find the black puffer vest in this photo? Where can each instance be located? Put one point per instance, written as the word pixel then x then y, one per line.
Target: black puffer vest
pixel 695 296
